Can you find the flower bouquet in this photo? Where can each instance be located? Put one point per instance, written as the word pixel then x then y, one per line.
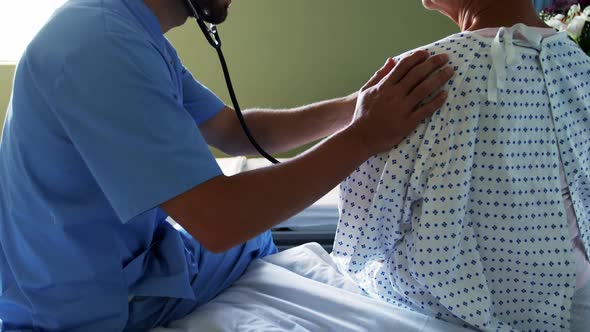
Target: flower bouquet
pixel 573 17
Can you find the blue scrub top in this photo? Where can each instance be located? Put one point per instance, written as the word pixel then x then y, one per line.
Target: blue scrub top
pixel 100 131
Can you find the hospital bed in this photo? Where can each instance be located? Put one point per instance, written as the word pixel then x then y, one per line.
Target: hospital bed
pixel 301 288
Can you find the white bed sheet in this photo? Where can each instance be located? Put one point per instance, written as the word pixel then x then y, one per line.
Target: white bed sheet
pixel 232 166
pixel 301 289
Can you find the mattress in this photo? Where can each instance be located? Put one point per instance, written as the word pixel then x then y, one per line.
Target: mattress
pixel 301 289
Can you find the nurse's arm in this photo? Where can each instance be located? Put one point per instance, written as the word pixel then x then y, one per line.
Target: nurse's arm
pixel 227 211
pixel 278 130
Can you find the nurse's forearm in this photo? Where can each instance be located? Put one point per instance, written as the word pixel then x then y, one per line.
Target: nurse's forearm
pixel 282 130
pixel 227 211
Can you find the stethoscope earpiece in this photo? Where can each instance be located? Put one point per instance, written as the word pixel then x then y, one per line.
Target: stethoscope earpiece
pixel 210 31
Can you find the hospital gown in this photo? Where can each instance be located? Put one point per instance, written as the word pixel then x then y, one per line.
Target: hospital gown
pixel 464 220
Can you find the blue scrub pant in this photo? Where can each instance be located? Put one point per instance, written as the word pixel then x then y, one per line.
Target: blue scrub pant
pixel 146 313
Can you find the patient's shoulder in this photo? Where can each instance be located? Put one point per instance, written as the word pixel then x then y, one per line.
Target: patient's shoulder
pixel 461 48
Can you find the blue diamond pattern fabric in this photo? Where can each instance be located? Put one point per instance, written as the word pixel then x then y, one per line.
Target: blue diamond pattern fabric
pixel 465 220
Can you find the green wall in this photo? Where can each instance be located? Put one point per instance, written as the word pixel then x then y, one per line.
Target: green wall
pixel 6 74
pixel 291 52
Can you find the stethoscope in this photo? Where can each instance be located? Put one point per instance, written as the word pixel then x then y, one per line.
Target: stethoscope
pixel 212 36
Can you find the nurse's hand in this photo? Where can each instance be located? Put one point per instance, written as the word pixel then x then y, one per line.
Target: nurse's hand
pixel 391 104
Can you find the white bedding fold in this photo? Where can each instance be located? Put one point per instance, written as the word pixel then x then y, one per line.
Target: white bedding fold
pixel 301 289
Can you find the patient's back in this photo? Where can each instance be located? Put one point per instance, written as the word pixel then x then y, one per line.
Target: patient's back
pixel 465 220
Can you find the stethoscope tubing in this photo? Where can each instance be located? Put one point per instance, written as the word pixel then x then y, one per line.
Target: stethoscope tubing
pixel 212 36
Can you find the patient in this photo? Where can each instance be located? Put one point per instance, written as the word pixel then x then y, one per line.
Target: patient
pixel 482 216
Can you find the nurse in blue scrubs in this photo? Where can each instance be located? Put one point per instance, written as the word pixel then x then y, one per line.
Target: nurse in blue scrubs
pixel 107 135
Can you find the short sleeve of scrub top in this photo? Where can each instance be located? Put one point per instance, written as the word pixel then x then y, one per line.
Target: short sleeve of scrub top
pixel 133 129
pixel 196 96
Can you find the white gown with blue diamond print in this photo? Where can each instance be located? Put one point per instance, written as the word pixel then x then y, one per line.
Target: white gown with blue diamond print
pixel 464 220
